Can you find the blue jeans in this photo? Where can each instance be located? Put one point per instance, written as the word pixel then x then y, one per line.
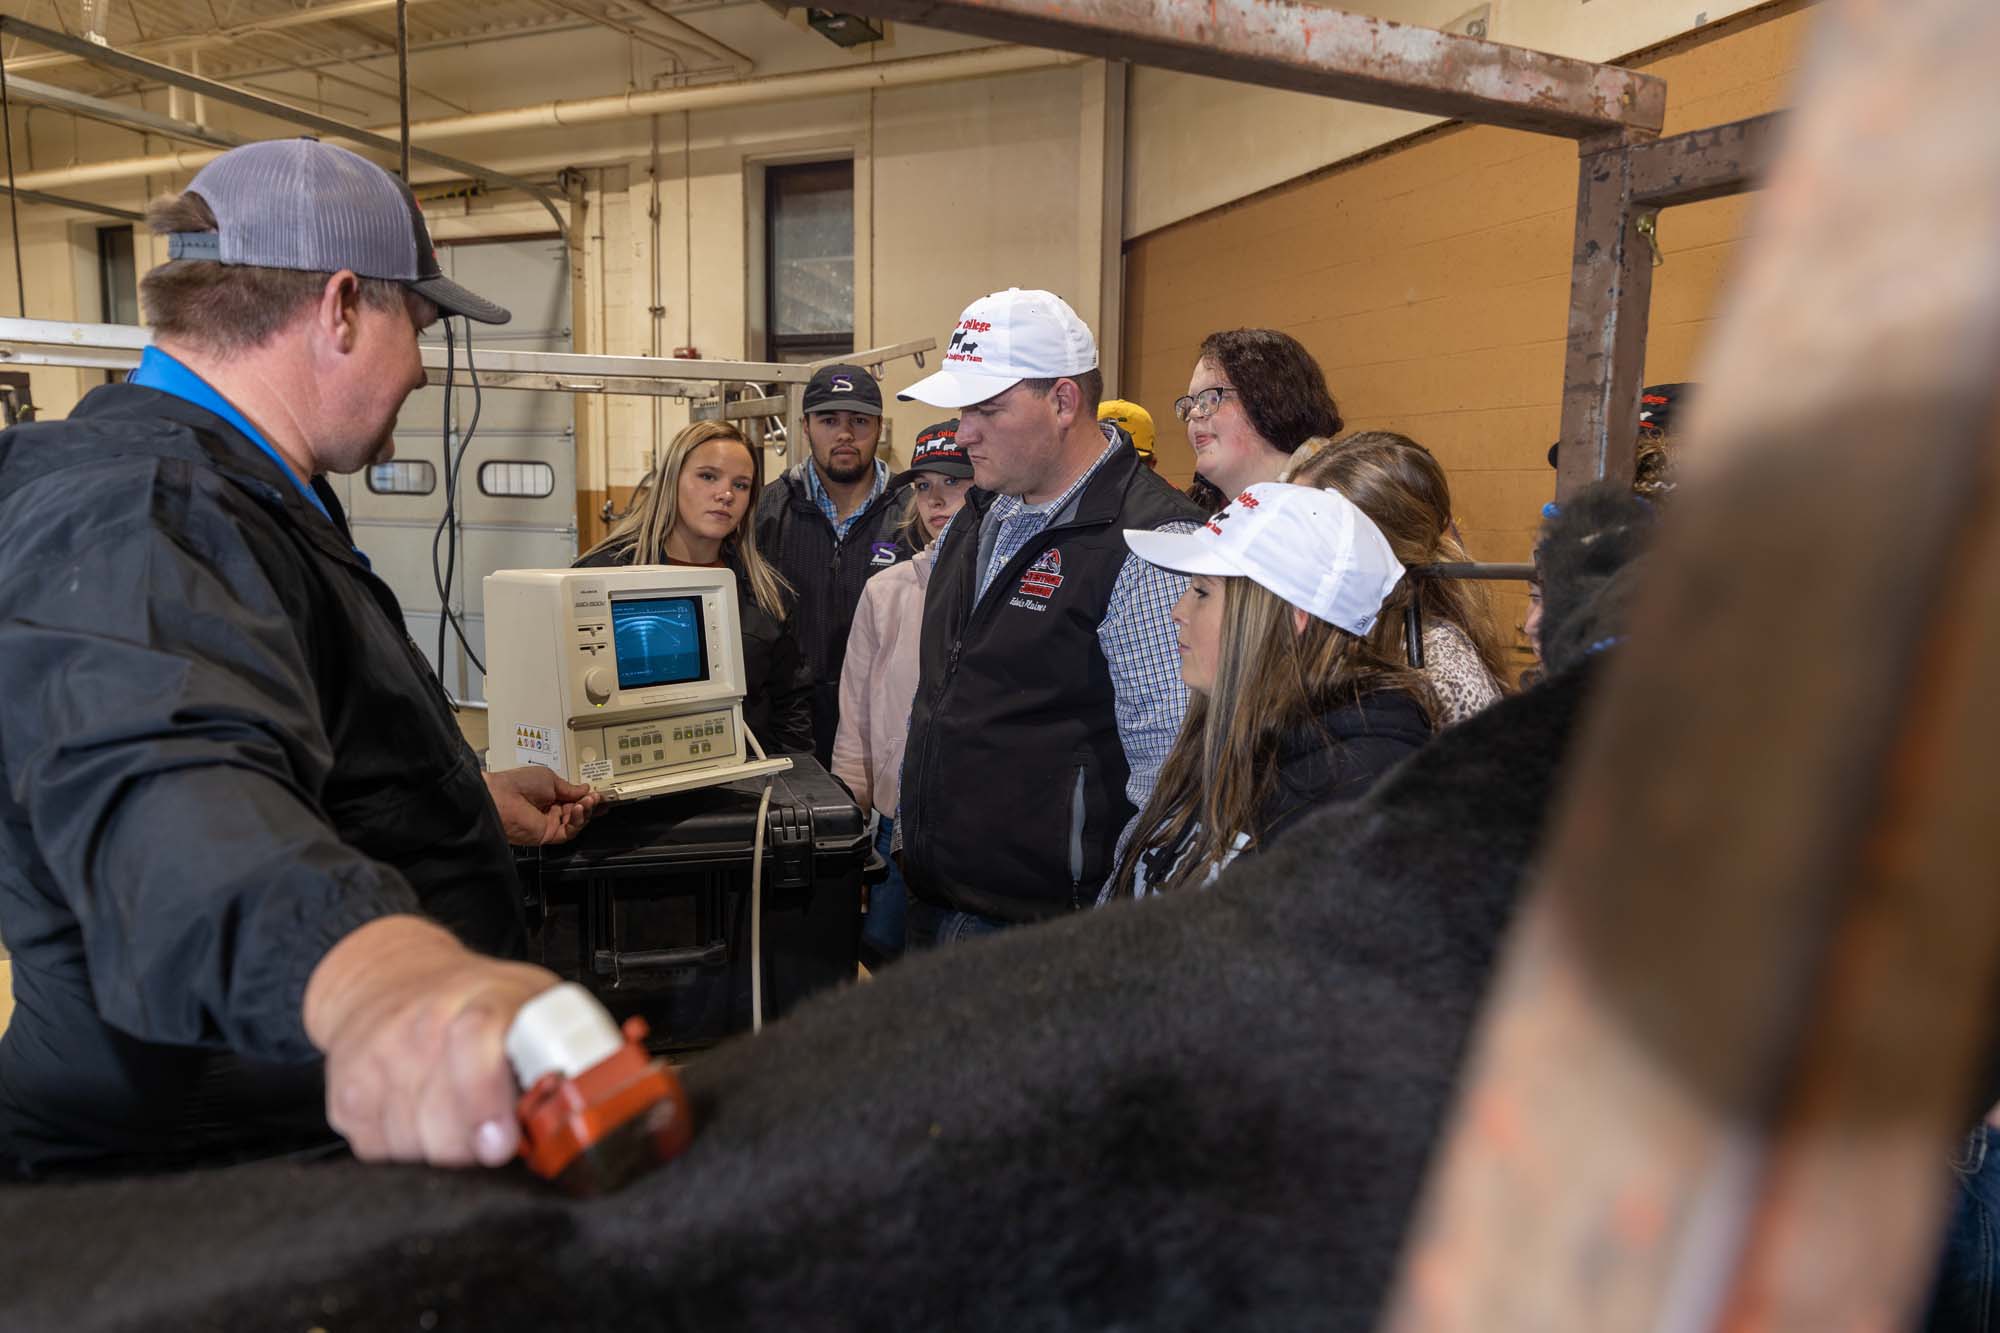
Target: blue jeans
pixel 931 925
pixel 882 928
pixel 1964 1299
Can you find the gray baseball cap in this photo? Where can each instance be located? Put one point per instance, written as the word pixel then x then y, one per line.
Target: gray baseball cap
pixel 303 204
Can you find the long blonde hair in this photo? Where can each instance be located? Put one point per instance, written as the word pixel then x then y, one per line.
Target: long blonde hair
pixel 658 512
pixel 1271 679
pixel 1401 486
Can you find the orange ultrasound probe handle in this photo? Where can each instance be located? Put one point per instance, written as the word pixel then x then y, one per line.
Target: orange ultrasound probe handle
pixel 621 1116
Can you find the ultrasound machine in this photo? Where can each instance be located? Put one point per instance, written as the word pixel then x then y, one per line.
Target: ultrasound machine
pixel 629 679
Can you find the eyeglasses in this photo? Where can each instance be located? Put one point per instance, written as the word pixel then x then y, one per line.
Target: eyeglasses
pixel 1200 406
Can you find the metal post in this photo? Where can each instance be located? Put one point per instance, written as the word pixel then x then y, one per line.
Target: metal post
pixel 403 81
pixel 1745 1013
pixel 1611 291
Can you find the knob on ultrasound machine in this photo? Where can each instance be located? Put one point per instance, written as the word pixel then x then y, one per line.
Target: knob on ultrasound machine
pixel 628 679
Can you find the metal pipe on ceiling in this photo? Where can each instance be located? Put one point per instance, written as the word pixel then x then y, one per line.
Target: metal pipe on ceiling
pixel 984 62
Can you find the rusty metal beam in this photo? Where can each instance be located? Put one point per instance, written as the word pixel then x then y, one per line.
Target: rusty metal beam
pixel 1305 48
pixel 1611 293
pixel 1704 164
pixel 1622 186
pixel 1744 1013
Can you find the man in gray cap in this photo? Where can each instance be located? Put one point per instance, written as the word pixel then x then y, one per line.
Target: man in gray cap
pixel 255 886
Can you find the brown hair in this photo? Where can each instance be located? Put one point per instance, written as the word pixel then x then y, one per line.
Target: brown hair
pixel 1089 383
pixel 651 519
pixel 1281 387
pixel 1206 494
pixel 1271 679
pixel 1653 471
pixel 1401 486
pixel 227 308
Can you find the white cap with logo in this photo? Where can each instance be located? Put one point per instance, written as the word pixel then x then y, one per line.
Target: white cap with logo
pixel 1313 548
pixel 1003 339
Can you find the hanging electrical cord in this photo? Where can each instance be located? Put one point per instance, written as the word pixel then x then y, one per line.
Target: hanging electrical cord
pixel 438 578
pixel 455 467
pixel 13 204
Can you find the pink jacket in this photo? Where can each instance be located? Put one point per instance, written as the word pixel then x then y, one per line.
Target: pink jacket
pixel 878 683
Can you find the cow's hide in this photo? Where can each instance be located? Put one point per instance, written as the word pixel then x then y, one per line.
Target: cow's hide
pixel 1209 1111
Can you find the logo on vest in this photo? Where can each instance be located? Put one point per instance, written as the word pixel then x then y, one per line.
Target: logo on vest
pixel 881 554
pixel 1044 576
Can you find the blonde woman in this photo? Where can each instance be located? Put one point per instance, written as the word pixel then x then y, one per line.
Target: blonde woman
pixel 1290 707
pixel 1401 486
pixel 699 511
pixel 878 681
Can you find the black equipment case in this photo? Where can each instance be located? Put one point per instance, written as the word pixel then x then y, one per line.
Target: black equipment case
pixel 650 907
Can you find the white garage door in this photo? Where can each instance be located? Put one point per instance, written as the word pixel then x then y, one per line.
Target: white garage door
pixel 517 485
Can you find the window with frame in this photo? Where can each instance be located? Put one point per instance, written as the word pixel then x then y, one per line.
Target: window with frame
pixel 809 260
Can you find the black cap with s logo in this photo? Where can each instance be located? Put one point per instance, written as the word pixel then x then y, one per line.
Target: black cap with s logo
pixel 843 389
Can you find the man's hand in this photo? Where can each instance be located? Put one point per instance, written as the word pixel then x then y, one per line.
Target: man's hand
pixel 412 1024
pixel 537 807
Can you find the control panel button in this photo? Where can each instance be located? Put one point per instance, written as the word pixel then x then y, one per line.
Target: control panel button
pixel 597 685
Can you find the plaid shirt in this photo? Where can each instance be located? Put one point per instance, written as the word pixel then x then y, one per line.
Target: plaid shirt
pixel 1136 635
pixel 817 490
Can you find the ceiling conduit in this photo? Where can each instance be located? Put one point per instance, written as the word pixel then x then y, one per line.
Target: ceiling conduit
pixel 914 72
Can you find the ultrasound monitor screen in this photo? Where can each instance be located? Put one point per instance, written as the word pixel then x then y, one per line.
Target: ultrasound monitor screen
pixel 659 641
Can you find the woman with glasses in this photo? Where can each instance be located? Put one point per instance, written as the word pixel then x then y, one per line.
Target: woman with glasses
pixel 1255 396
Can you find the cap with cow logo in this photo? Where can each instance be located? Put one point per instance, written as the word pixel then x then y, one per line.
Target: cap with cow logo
pixel 843 389
pixel 1313 548
pixel 939 451
pixel 1003 339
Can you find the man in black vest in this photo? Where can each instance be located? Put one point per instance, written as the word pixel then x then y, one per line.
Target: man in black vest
pixel 1049 690
pixel 829 523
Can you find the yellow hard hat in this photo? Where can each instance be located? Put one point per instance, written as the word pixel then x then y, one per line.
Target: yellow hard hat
pixel 1136 420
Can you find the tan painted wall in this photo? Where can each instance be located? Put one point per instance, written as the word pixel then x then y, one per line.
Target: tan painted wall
pixel 1199 143
pixel 1432 284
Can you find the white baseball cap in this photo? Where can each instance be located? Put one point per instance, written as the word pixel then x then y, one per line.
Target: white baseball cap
pixel 1314 548
pixel 1003 339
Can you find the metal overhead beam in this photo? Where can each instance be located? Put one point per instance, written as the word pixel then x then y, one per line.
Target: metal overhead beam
pixel 222 92
pixel 1306 49
pixel 119 113
pixel 82 205
pixel 221 36
pixel 1704 164
pixel 680 53
pixel 49 342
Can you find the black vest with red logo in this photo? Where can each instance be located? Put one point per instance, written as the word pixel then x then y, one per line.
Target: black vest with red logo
pixel 1014 779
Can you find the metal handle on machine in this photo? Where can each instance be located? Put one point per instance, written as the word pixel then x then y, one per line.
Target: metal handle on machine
pixel 612 962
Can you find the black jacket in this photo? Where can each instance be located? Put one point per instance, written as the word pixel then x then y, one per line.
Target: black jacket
pixel 777 683
pixel 1340 758
pixel 1014 779
pixel 222 753
pixel 826 574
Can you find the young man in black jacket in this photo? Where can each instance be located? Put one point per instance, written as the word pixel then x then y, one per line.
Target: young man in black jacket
pixel 252 877
pixel 828 524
